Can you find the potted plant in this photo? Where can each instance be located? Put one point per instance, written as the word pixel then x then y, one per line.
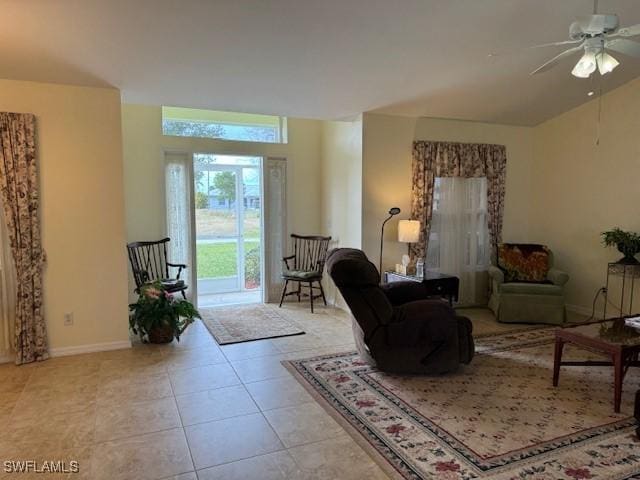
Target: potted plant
pixel 627 243
pixel 158 317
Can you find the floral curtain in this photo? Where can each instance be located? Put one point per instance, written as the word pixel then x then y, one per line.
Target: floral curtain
pixel 447 159
pixel 20 199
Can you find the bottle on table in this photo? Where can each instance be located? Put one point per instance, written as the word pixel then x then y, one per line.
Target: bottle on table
pixel 420 268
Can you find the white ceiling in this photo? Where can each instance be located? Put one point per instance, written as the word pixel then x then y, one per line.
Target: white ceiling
pixel 311 58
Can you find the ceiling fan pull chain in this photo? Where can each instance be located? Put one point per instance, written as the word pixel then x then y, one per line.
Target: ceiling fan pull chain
pixel 599 111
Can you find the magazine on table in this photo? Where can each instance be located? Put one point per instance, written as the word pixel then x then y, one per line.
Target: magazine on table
pixel 633 321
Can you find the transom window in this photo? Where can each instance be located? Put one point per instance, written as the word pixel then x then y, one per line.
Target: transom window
pixel 243 127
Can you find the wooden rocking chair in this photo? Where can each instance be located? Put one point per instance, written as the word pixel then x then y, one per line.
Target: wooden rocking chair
pixel 305 266
pixel 149 264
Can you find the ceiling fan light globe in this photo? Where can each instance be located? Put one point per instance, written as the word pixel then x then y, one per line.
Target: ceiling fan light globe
pixel 575 31
pixel 580 73
pixel 606 63
pixel 585 66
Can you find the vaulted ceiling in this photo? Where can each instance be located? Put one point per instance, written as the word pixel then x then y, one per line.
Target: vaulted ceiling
pixel 323 59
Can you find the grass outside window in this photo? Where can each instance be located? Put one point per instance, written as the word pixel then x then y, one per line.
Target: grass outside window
pixel 216 260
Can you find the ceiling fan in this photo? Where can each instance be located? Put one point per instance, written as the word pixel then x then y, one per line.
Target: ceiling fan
pixel 595 35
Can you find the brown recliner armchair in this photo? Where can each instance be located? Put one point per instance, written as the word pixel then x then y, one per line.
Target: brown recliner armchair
pixel 397 329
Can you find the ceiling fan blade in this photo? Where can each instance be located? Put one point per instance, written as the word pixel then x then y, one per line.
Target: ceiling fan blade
pixel 631 31
pixel 552 63
pixel 554 44
pixel 622 45
pixel 566 42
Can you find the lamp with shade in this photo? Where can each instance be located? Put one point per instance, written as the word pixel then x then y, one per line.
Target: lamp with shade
pixel 408 232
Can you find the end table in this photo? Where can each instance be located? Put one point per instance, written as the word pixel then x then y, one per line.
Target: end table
pixel 437 284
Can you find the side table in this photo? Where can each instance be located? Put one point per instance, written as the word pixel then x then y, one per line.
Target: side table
pixel 437 284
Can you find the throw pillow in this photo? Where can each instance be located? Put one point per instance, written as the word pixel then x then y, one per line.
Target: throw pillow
pixel 523 262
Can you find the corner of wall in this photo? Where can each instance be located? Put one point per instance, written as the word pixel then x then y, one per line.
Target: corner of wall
pixel 583 183
pixel 82 208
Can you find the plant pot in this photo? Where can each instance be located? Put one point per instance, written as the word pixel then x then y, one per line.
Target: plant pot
pixel 161 334
pixel 629 256
pixel 628 261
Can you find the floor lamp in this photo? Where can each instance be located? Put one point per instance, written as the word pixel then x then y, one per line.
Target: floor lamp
pixel 392 213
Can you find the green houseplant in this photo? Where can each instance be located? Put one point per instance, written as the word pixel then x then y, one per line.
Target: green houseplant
pixel 627 243
pixel 158 317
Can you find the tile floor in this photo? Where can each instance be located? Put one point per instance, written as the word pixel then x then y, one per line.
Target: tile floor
pixel 189 410
pixel 231 298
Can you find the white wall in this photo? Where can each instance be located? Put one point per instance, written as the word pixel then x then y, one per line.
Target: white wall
pixel 79 148
pixel 387 158
pixel 341 189
pixel 580 189
pixel 144 175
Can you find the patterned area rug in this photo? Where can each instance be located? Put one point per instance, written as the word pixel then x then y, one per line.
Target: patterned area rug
pixel 243 323
pixel 497 418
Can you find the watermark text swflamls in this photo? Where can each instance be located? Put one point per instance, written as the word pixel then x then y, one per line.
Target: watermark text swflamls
pixel 47 466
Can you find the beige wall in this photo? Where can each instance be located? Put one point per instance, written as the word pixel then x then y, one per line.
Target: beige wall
pixel 143 169
pixel 562 189
pixel 341 188
pixel 82 209
pixel 580 189
pixel 387 144
pixel 342 182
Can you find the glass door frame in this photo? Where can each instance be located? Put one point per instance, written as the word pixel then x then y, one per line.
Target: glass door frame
pixel 240 215
pixel 239 210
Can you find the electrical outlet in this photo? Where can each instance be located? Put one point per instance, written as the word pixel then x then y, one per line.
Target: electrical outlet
pixel 68 319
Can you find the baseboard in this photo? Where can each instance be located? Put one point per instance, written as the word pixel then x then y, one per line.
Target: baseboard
pixel 339 304
pixel 66 351
pixel 6 358
pixel 90 348
pixel 586 311
pixel 580 309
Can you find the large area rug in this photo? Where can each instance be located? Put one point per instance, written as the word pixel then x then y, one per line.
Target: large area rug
pixel 243 323
pixel 497 418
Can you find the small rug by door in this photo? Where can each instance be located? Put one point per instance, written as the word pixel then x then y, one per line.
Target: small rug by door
pixel 243 323
pixel 497 418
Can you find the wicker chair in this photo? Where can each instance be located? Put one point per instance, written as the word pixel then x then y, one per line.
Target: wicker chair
pixel 149 264
pixel 305 266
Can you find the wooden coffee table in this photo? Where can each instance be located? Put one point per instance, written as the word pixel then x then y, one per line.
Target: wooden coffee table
pixel 611 338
